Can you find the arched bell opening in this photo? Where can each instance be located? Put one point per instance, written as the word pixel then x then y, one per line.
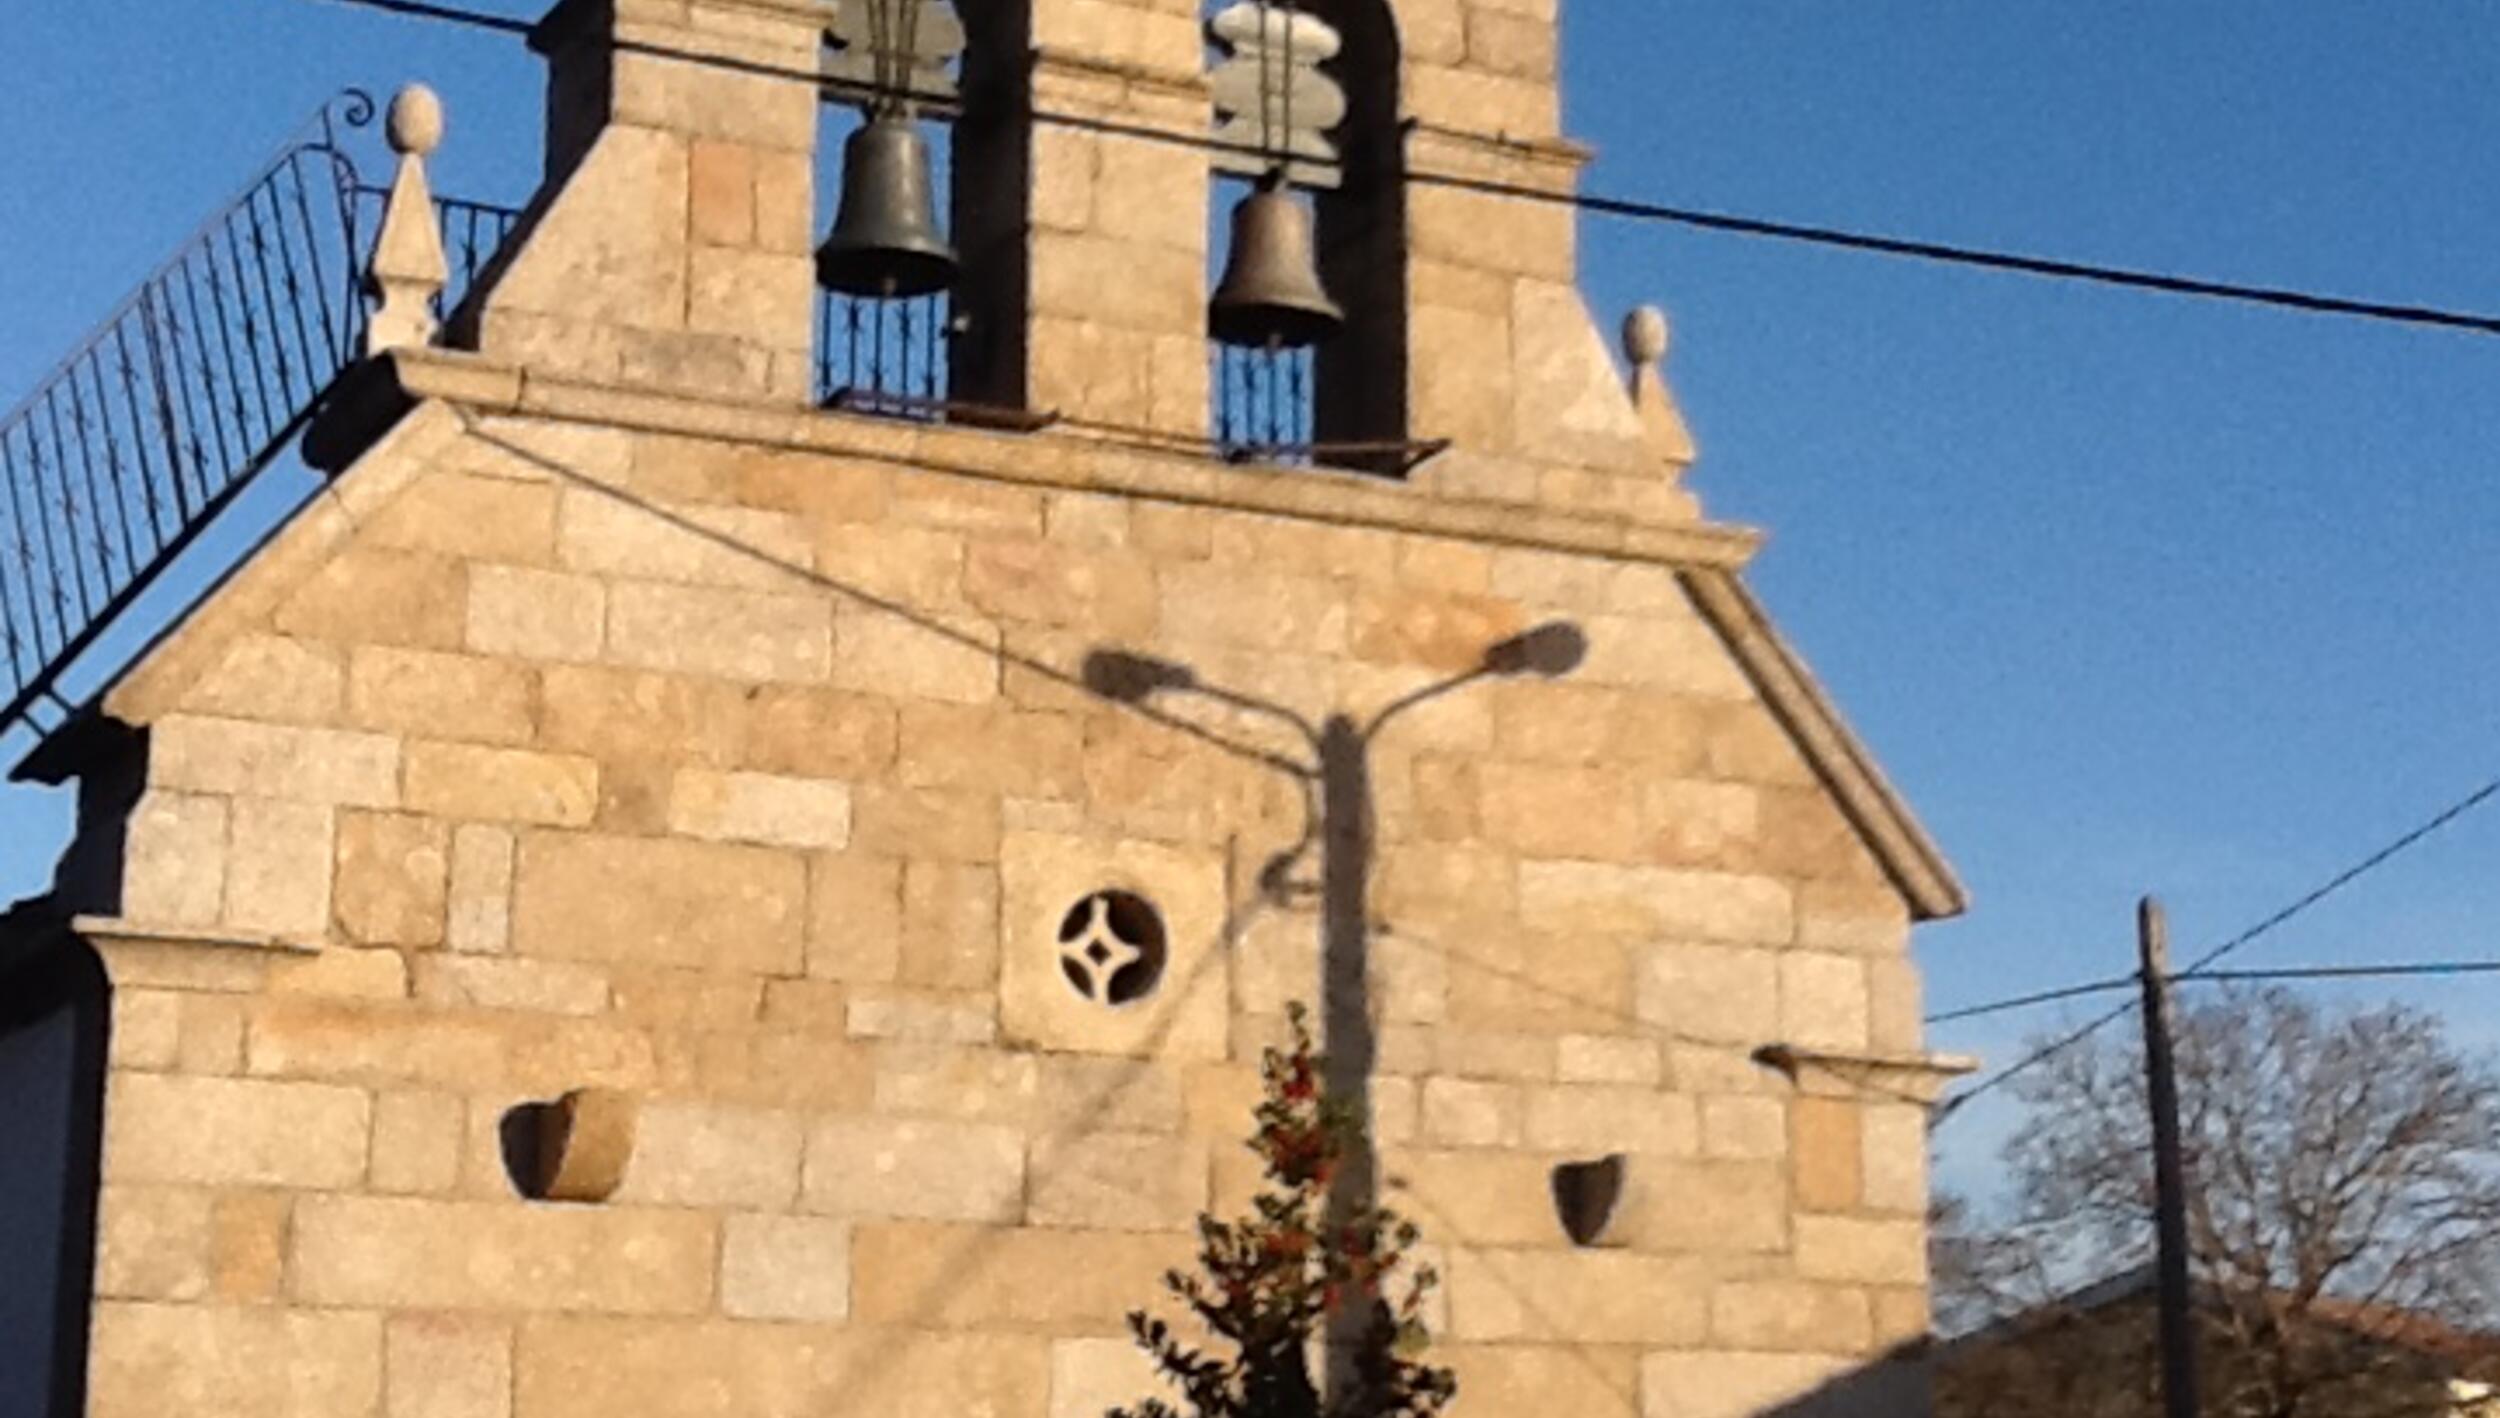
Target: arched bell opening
pixel 888 268
pixel 1306 316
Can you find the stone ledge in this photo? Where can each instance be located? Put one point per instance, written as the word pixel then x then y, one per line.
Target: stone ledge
pixel 1062 459
pixel 121 930
pixel 208 959
pixel 1826 1073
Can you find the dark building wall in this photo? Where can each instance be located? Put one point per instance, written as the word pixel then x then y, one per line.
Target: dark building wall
pixel 51 1065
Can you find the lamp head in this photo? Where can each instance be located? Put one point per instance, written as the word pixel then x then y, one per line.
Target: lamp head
pixel 1126 678
pixel 1550 651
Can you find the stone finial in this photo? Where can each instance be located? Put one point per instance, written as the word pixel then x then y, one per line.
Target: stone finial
pixel 416 122
pixel 408 271
pixel 1646 339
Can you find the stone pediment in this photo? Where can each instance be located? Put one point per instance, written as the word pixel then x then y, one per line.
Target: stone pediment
pixel 452 404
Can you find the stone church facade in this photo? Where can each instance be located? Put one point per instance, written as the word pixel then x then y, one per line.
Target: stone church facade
pixel 630 782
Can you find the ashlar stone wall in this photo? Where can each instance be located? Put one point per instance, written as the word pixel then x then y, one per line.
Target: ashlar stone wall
pixel 756 783
pixel 616 721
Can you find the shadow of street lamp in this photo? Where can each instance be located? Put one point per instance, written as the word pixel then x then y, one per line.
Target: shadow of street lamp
pixel 1341 760
pixel 1551 650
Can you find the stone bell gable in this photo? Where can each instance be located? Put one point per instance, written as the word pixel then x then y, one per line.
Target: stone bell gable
pixel 651 896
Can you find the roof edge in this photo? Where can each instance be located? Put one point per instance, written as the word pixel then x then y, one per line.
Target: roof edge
pixel 1874 807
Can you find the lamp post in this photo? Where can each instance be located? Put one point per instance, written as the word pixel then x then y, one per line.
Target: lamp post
pixel 1341 761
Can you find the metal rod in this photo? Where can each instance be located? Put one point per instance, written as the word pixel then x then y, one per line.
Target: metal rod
pixel 291 279
pixel 152 341
pixel 248 329
pixel 320 274
pixel 225 340
pixel 25 556
pixel 101 505
pixel 258 239
pixel 51 556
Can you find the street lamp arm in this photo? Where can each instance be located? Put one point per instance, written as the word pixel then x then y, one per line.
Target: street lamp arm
pixel 1418 698
pixel 1550 651
pixel 1132 680
pixel 1280 713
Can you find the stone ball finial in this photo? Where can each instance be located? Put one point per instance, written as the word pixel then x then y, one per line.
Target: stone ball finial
pixel 1645 336
pixel 416 123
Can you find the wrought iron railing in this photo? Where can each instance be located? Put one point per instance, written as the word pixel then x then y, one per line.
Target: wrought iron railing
pixel 134 445
pixel 1266 403
pixel 884 356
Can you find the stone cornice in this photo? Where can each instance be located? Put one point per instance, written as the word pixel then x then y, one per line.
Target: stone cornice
pixel 1064 458
pixel 1884 822
pixel 454 388
pixel 1910 1078
pixel 201 958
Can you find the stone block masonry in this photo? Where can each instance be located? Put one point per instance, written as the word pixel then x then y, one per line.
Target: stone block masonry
pixel 618 721
pixel 815 918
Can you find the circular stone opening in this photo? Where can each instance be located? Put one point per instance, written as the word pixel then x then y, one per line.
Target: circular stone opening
pixel 1112 948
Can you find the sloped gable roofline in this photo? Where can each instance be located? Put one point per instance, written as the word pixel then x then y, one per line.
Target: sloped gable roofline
pixel 1910 857
pixel 426 400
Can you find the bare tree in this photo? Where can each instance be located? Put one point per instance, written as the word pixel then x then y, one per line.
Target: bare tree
pixel 2344 1168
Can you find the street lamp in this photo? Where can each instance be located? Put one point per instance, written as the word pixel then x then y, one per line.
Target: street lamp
pixel 1341 761
pixel 1552 650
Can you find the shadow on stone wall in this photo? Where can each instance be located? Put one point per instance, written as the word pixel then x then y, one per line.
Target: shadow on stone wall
pixel 1896 1385
pixel 1341 826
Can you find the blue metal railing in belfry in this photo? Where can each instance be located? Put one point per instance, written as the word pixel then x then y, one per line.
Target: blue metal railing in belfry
pixel 887 357
pixel 127 452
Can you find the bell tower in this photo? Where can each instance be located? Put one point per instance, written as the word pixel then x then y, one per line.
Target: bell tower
pixel 669 246
pixel 1296 232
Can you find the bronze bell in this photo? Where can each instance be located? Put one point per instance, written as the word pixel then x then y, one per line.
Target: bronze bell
pixel 885 242
pixel 1271 296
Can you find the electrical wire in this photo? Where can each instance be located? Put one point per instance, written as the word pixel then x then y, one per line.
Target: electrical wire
pixel 2202 968
pixel 1630 209
pixel 2007 1006
pixel 2206 977
pixel 2434 969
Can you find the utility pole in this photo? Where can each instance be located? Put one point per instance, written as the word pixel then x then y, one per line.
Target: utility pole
pixel 2178 1315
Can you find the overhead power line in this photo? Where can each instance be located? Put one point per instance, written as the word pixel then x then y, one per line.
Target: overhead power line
pixel 2204 963
pixel 1626 208
pixel 2432 969
pixel 2033 1001
pixel 2351 874
pixel 2418 970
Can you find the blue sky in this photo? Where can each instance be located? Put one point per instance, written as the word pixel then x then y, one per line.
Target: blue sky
pixel 2129 592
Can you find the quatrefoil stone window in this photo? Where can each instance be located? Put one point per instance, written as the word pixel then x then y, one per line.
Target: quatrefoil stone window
pixel 1112 948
